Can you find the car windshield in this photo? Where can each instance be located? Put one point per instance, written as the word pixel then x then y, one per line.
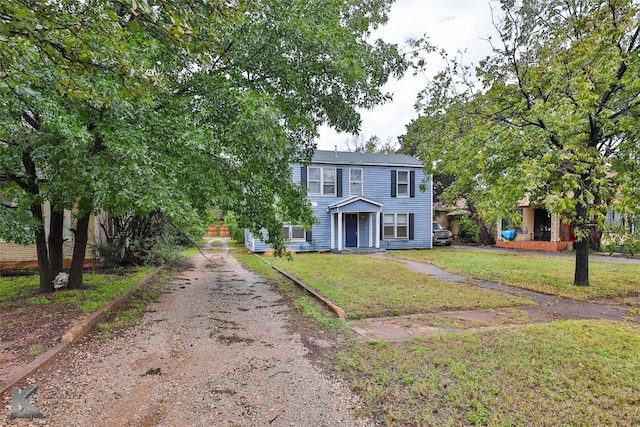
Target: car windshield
pixel 437 226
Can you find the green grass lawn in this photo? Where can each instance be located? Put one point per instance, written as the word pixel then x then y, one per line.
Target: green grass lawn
pixel 99 290
pixel 548 274
pixel 370 287
pixel 569 373
pixel 566 373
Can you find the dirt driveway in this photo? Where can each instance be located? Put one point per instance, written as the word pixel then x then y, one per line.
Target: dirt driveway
pixel 219 348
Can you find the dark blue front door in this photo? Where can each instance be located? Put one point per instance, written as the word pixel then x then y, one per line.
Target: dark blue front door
pixel 351 231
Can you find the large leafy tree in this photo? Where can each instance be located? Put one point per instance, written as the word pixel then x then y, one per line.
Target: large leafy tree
pixel 173 106
pixel 457 147
pixel 556 104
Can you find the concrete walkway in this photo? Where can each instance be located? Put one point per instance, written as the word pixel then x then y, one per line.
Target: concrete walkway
pixel 548 308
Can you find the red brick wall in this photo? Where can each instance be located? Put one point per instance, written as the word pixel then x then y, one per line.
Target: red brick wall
pixel 535 246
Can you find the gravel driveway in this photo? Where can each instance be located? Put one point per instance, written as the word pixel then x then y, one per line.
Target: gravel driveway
pixel 219 348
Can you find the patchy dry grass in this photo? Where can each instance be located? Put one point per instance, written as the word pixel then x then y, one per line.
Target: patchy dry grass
pixel 563 373
pixel 547 274
pixel 306 305
pixel 99 289
pixel 369 287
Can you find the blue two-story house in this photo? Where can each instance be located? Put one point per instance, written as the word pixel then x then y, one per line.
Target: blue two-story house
pixel 364 202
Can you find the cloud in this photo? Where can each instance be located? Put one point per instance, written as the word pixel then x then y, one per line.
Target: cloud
pixel 453 25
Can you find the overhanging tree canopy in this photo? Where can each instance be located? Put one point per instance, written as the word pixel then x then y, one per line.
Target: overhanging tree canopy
pixel 559 104
pixel 174 106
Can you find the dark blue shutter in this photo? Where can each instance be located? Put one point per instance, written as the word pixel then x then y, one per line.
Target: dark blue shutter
pixel 411 223
pixel 303 175
pixel 338 182
pixel 309 237
pixel 381 226
pixel 393 182
pixel 412 184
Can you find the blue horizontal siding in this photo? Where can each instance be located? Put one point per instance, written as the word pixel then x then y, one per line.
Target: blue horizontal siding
pixel 376 186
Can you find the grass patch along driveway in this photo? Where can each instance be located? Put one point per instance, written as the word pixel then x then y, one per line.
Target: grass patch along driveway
pixel 573 373
pixel 551 275
pixel 368 287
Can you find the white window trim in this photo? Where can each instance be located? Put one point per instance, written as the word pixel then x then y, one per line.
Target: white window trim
pixel 408 183
pixel 361 181
pixel 395 226
pixel 335 181
pixel 290 227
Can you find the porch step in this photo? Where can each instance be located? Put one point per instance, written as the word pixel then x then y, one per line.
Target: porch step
pixel 358 250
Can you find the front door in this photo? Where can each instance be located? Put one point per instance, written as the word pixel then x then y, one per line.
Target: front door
pixel 351 230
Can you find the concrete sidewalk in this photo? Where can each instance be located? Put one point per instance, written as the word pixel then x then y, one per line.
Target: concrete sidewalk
pixel 548 308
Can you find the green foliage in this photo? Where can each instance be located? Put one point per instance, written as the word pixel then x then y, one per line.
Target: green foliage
pixel 40 300
pixel 141 240
pixel 178 106
pixel 13 288
pixel 469 230
pixel 551 113
pixel 236 232
pixel 109 254
pixel 632 246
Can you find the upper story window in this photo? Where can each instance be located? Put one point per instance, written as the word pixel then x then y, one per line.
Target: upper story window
pixel 355 182
pixel 403 184
pixel 322 181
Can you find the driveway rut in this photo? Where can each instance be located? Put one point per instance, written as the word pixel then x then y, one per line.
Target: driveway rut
pixel 218 348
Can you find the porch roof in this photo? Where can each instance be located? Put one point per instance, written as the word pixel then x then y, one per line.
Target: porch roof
pixel 356 204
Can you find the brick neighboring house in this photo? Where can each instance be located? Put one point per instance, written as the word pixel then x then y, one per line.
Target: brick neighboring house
pixel 364 202
pixel 540 230
pixel 13 255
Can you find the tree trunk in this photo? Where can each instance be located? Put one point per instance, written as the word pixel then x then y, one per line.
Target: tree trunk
pixel 56 241
pixel 581 277
pixel 44 268
pixel 486 237
pixel 595 237
pixel 31 187
pixel 79 251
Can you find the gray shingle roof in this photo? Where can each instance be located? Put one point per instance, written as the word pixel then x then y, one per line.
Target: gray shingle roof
pixel 351 158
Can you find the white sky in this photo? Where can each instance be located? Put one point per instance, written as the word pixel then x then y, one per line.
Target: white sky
pixel 453 25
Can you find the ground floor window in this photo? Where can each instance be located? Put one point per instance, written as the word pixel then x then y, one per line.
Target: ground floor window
pixel 395 226
pixel 294 233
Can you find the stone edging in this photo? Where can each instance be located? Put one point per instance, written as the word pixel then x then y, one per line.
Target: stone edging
pixel 338 310
pixel 79 330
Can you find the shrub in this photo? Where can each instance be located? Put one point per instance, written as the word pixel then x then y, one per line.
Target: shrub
pixel 469 231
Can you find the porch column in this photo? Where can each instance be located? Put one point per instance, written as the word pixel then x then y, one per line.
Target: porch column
pixel 333 231
pixel 340 231
pixel 555 228
pixel 378 231
pixel 370 230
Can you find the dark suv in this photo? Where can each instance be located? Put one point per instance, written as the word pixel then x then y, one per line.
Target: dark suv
pixel 441 236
